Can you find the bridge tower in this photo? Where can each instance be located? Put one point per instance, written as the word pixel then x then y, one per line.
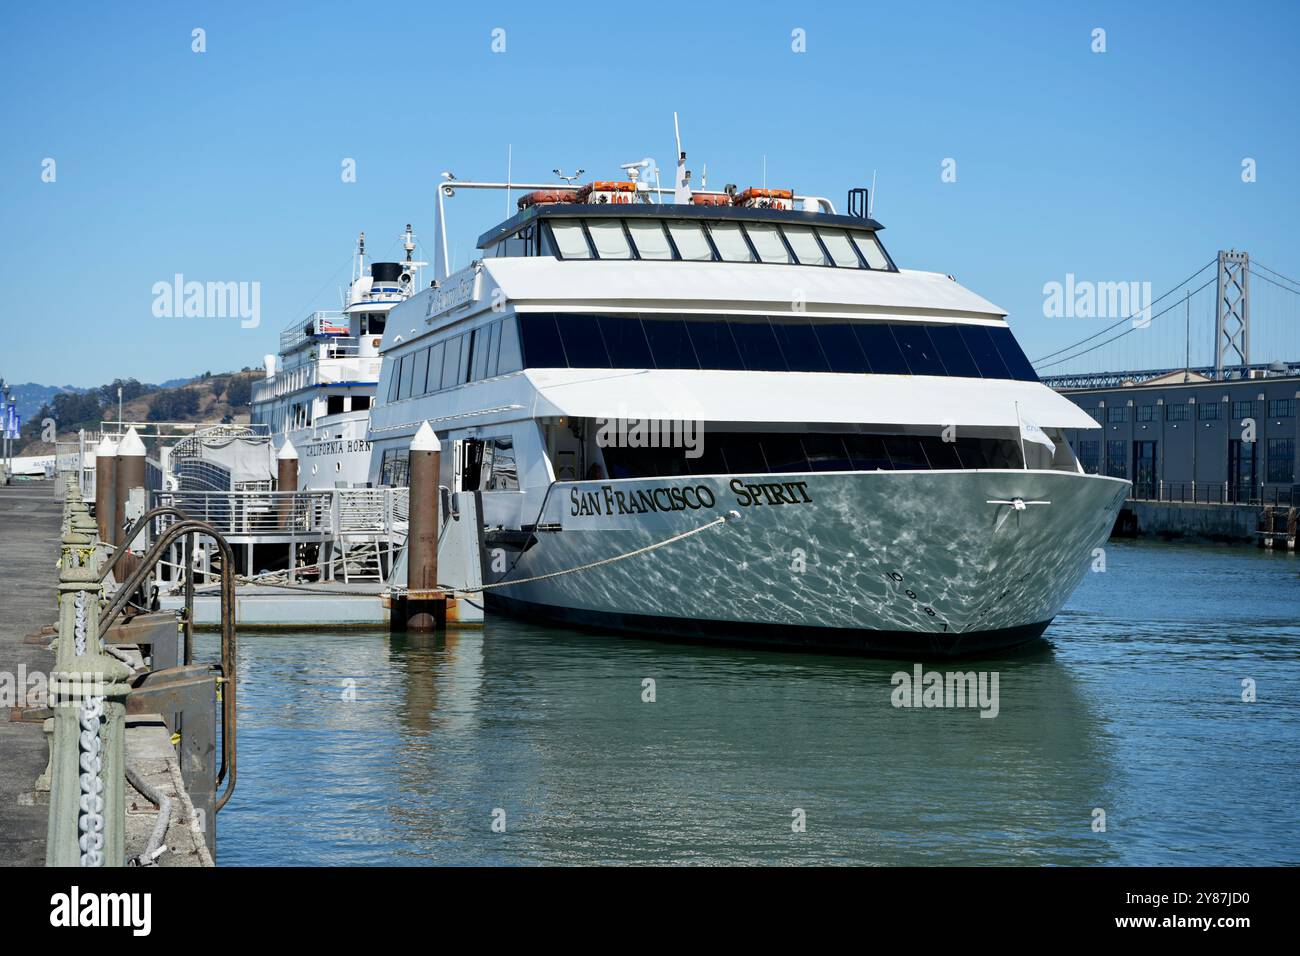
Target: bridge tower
pixel 1232 313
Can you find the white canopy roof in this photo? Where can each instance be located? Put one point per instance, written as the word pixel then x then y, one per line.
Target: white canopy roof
pixel 798 397
pixel 542 282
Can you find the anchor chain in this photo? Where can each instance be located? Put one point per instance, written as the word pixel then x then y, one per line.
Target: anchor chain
pixel 90 822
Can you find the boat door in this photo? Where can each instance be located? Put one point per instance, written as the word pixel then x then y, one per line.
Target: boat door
pixel 467 464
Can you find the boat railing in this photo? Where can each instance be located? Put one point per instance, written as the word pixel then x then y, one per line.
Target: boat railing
pixel 255 513
pixel 324 323
pixel 323 514
pixel 342 347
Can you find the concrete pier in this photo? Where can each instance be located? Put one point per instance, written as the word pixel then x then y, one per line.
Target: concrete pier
pixel 31 515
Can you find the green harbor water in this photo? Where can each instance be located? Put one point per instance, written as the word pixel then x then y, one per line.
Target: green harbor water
pixel 365 748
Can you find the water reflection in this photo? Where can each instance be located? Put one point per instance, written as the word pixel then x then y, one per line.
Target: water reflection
pixel 1132 710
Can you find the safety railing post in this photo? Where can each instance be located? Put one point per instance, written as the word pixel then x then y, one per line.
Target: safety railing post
pixel 87 698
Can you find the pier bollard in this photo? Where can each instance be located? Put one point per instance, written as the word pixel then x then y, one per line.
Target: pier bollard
pixel 106 489
pixel 425 607
pixel 130 475
pixel 88 689
pixel 287 480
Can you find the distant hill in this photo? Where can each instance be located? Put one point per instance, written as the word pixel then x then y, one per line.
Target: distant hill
pixel 30 396
pixel 208 398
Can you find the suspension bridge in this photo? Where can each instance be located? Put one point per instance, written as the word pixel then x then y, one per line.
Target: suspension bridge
pixel 1234 318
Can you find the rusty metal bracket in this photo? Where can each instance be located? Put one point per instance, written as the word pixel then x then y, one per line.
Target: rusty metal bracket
pixel 140 574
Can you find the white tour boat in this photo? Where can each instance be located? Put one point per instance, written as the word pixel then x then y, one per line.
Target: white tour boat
pixel 318 394
pixel 739 420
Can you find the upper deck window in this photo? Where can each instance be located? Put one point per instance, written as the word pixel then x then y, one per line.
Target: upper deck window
pixel 841 249
pixel 570 239
pixel 767 242
pixel 713 241
pixel 609 239
pixel 690 240
pixel 730 242
pixel 869 246
pixel 805 245
pixel 650 238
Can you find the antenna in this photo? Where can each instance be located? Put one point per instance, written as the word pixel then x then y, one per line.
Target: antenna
pixel 871 198
pixel 704 177
pixel 509 159
pixel 765 170
pixel 633 171
pixel 682 184
pixel 441 264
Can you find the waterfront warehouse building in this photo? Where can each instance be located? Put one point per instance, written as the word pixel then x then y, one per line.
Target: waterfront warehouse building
pixel 1183 437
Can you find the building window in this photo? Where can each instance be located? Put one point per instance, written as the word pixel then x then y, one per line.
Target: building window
pixel 1243 410
pixel 1281 460
pixel 1117 459
pixel 1178 413
pixel 1281 408
pixel 1146 413
pixel 1209 411
pixel 1090 457
pixel 1117 413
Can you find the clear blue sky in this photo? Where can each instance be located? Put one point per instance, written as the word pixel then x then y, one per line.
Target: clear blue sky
pixel 225 165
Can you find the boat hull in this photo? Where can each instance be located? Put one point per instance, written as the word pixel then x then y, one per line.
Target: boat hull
pixel 898 563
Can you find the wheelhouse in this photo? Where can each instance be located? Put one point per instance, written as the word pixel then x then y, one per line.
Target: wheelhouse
pixel 703 233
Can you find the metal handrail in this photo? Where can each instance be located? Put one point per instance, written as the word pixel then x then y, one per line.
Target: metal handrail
pixel 134 532
pixel 228 647
pixel 1214 493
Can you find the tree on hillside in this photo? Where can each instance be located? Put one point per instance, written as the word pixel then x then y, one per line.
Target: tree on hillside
pixel 73 410
pixel 174 405
pixel 239 391
pixel 131 390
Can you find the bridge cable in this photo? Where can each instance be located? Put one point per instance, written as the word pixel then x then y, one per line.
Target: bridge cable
pixel 1168 308
pixel 1127 318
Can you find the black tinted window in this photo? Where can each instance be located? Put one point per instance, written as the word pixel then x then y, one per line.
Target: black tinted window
pixel 983 351
pixel 669 343
pixel 799 345
pixel 841 348
pixel 542 347
pixel 757 344
pixel 625 341
pixel 880 348
pixel 714 345
pixel 826 453
pixel 867 453
pixel 922 357
pixel 583 345
pixel 906 453
pixel 952 350
pixel 784 453
pixel 1012 355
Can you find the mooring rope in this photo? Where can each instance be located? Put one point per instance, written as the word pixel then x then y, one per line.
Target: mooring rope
pixel 721 519
pixel 262 579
